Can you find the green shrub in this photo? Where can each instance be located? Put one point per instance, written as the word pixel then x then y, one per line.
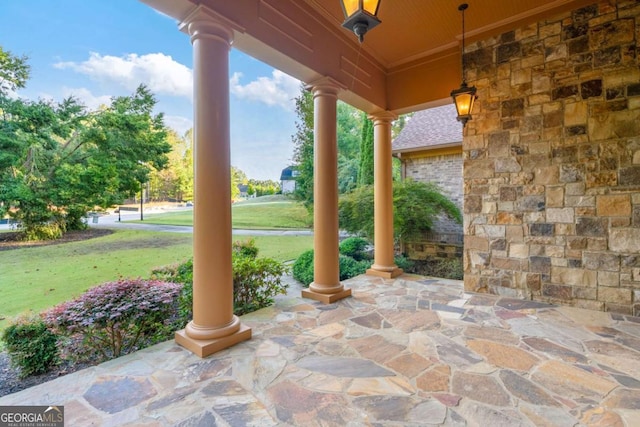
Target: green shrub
pixel 303 268
pixel 245 248
pixel 416 205
pixel 31 346
pixel 403 262
pixel 452 269
pixel 349 267
pixel 116 318
pixel 255 281
pixel 50 231
pixel 354 247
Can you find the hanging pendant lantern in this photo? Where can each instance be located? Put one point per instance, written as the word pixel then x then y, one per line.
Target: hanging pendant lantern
pixel 464 97
pixel 360 16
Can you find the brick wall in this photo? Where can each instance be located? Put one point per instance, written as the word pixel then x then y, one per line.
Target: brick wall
pixel 552 161
pixel 445 170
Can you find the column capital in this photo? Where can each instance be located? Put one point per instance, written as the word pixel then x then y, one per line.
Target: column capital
pixel 203 22
pixel 382 117
pixel 326 86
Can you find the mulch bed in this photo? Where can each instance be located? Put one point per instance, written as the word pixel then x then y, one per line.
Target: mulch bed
pixel 11 240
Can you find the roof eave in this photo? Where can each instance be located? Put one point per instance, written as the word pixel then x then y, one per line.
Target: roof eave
pixel 426 148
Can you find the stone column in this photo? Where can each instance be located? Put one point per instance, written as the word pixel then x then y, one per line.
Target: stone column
pixel 384 264
pixel 326 286
pixel 214 326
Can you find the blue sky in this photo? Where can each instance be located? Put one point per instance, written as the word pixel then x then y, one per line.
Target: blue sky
pixel 96 49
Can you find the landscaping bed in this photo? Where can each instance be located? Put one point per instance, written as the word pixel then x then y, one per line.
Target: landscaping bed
pixel 11 239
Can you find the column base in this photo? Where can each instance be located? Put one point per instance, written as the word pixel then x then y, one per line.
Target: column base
pixel 326 298
pixel 386 274
pixel 204 348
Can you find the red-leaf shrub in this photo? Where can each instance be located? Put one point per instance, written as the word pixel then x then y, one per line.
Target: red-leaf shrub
pixel 116 318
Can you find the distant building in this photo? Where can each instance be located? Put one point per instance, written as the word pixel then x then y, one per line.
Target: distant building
pixel 430 149
pixel 244 190
pixel 288 179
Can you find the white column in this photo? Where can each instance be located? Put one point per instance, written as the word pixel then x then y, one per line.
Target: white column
pixel 214 326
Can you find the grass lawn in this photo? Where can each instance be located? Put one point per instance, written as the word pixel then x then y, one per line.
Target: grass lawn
pixel 37 278
pixel 268 212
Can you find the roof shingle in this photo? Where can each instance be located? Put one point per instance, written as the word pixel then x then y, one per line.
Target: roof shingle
pixel 429 129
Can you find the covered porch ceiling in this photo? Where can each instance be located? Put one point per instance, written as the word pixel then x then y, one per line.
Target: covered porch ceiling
pixel 409 62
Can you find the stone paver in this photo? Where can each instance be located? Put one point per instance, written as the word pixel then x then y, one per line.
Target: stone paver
pixel 412 351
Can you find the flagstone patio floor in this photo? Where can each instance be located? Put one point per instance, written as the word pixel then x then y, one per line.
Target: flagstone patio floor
pixel 411 351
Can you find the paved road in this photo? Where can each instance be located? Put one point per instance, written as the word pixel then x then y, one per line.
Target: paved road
pixel 111 221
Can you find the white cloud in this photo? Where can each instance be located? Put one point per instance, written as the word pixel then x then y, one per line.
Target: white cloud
pixel 280 89
pixel 178 123
pixel 164 76
pixel 158 71
pixel 84 95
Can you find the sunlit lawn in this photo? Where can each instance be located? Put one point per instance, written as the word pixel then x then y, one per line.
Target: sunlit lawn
pixel 271 212
pixel 33 279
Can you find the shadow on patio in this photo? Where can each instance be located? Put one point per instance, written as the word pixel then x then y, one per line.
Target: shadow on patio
pixel 409 351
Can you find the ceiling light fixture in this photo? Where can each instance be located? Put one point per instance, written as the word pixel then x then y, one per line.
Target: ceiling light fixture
pixel 464 97
pixel 360 16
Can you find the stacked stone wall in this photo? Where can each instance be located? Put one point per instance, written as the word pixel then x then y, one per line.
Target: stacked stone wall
pixel 425 249
pixel 552 161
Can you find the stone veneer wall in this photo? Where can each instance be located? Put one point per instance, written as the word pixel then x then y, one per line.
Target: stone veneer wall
pixel 552 161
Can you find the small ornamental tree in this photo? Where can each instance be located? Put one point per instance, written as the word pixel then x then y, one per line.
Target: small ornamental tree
pixel 116 318
pixel 416 205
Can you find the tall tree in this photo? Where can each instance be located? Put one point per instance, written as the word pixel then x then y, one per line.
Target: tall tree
pixel 265 187
pixel 59 161
pixel 175 181
pixel 237 177
pixel 303 148
pixel 399 124
pixel 14 71
pixel 349 124
pixel 365 170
